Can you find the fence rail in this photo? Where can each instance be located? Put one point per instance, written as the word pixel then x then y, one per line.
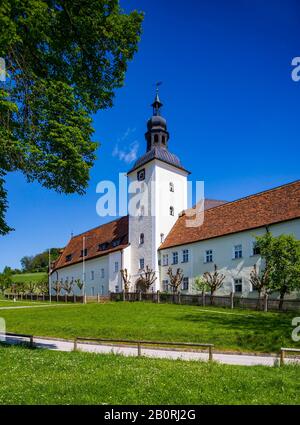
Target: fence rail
pixel 231 301
pixel 30 337
pixel 57 298
pixel 287 350
pixel 140 343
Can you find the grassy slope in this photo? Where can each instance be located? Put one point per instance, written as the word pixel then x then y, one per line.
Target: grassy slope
pixel 29 277
pixel 242 330
pixel 45 377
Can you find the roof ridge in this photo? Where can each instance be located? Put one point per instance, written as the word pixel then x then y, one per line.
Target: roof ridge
pixel 250 196
pixel 98 227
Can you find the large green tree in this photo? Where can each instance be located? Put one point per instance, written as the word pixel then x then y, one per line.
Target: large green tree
pixel 282 257
pixel 64 61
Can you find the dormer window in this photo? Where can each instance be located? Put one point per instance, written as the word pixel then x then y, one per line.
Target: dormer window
pixel 171 210
pixel 84 252
pixel 69 257
pixel 142 238
pixel 102 246
pixel 116 242
pixel 171 187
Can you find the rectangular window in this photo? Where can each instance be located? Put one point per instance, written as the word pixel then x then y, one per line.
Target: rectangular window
pixel 165 259
pixel 102 246
pixel 165 285
pixel 237 251
pixel 255 249
pixel 117 288
pixel 92 275
pixel 69 257
pixel 185 255
pixel 83 253
pixel 116 266
pixel 92 291
pixel 209 256
pixel 102 273
pixel 185 284
pixel 238 285
pixel 116 243
pixel 142 263
pixel 175 257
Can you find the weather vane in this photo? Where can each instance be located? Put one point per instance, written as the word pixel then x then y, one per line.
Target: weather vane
pixel 159 83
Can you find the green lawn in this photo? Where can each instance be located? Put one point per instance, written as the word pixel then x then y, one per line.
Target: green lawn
pixel 238 330
pixel 29 277
pixel 47 377
pixel 10 303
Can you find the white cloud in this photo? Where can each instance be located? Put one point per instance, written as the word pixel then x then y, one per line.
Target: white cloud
pixel 126 154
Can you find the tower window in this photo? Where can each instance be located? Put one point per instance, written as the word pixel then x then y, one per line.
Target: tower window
pixel 163 140
pixel 171 210
pixel 156 139
pixel 171 187
pixel 142 238
pixel 162 237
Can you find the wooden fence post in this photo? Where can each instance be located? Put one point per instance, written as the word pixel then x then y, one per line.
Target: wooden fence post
pixel 66 298
pixel 231 300
pixel 124 295
pixel 139 349
pixel 282 357
pixel 179 298
pixel 203 298
pixel 75 344
pixel 31 341
pixel 140 296
pixel 265 302
pixel 210 353
pixel 158 300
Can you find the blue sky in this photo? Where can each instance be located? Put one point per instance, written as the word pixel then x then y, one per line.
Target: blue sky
pixel 231 105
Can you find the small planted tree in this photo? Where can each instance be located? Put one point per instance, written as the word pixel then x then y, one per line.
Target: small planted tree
pixel 175 279
pixel 43 288
pixel 126 279
pixel 68 286
pixel 282 257
pixel 214 281
pixel 31 287
pixel 79 284
pixel 57 287
pixel 147 278
pixel 260 281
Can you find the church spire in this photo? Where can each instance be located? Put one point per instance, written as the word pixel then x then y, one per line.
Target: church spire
pixel 157 134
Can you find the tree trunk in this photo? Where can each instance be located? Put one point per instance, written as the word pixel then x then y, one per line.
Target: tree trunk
pixel 281 299
pixel 212 298
pixel 258 301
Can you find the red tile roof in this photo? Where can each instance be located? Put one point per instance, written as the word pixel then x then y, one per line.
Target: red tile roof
pixel 107 233
pixel 262 209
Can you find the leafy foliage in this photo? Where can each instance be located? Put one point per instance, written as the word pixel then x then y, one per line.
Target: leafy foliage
pixel 282 258
pixel 39 262
pixel 64 61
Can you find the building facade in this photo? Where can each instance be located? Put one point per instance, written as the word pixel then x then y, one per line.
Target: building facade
pixel 159 231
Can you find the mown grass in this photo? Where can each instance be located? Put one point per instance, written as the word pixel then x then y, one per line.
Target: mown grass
pixel 47 377
pixel 29 277
pixel 238 330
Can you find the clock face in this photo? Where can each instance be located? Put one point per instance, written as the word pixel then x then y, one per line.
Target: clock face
pixel 141 175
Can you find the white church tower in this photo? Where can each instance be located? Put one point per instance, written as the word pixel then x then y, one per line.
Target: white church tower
pixel 158 184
